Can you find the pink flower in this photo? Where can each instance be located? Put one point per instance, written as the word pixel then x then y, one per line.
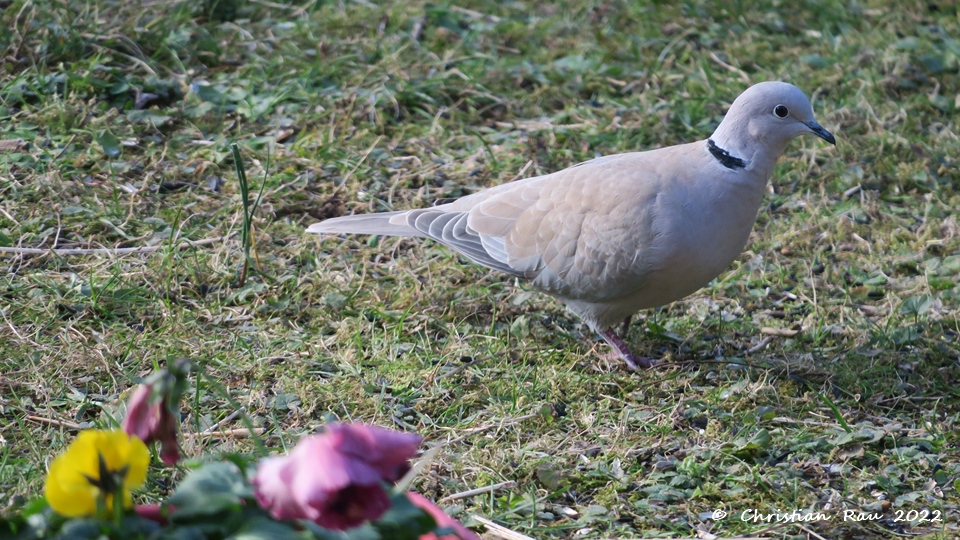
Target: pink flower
pixel 153 512
pixel 335 479
pixel 442 519
pixel 151 420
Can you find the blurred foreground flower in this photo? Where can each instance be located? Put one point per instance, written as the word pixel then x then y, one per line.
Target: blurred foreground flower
pixel 96 468
pixel 153 409
pixel 335 479
pixel 443 520
pixel 153 512
pixel 336 484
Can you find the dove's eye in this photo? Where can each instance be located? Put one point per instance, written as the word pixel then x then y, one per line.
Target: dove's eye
pixel 780 111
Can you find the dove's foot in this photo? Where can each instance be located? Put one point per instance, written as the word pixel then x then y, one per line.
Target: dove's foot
pixel 633 360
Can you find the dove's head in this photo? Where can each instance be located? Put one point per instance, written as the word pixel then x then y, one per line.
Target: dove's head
pixel 764 118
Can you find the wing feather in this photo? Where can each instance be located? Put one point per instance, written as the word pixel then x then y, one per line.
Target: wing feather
pixel 563 231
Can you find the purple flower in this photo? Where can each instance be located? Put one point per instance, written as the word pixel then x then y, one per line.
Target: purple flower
pixel 151 420
pixel 335 479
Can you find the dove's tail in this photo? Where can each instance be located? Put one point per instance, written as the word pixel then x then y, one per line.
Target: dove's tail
pixel 384 223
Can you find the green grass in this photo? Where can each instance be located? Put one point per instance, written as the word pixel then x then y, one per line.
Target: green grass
pixel 126 113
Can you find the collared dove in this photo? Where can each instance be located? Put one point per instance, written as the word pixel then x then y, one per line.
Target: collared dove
pixel 626 232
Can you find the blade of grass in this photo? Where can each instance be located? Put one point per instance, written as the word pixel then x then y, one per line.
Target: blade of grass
pixel 836 412
pixel 246 230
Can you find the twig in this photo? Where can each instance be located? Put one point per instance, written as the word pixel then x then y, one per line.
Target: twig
pixel 743 75
pixel 505 423
pixel 673 43
pixel 359 163
pixel 106 251
pixel 421 465
pixel 785 420
pixel 499 530
pixel 782 332
pixel 811 533
pixel 228 418
pixel 474 14
pixel 714 537
pixel 477 491
pixel 297 10
pixel 238 433
pixel 52 422
pixel 523 170
pixel 64 149
pixel 910 398
pixel 763 343
pixel 852 191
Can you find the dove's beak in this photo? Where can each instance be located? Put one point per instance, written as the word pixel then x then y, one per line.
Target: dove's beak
pixel 818 130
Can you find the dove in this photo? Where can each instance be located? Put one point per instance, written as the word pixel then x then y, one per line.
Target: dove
pixel 626 232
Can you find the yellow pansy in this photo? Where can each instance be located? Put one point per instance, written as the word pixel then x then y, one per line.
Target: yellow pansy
pixel 74 480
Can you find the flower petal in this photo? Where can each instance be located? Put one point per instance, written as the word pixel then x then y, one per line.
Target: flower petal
pixel 442 519
pixel 335 478
pixel 154 512
pixel 150 419
pixel 386 450
pixel 71 485
pixel 67 491
pixel 273 491
pixel 141 419
pixel 353 505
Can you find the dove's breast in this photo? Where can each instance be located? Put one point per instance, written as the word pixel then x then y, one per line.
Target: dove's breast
pixel 698 233
pixel 684 230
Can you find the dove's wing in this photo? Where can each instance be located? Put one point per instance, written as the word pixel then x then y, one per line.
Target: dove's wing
pixel 585 231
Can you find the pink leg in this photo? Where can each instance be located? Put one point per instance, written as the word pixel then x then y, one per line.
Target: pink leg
pixel 634 361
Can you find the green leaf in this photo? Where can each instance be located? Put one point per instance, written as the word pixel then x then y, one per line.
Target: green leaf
pixel 71 210
pixel 211 489
pixel 210 93
pixel 863 435
pixel 548 475
pixel 149 116
pixel 404 520
pixel 916 305
pixel 34 507
pixel 109 143
pixel 263 528
pixel 137 526
pixel 283 401
pixel 82 529
pixel 363 532
pixel 754 445
pixel 335 300
pixel 765 413
pixel 188 532
pixel 903 335
pixel 21 527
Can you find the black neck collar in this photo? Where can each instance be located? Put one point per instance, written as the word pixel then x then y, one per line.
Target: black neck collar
pixel 725 158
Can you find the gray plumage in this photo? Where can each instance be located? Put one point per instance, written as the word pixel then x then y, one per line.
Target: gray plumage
pixel 626 232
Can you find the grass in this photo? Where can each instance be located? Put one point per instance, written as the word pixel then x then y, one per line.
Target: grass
pixel 818 373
